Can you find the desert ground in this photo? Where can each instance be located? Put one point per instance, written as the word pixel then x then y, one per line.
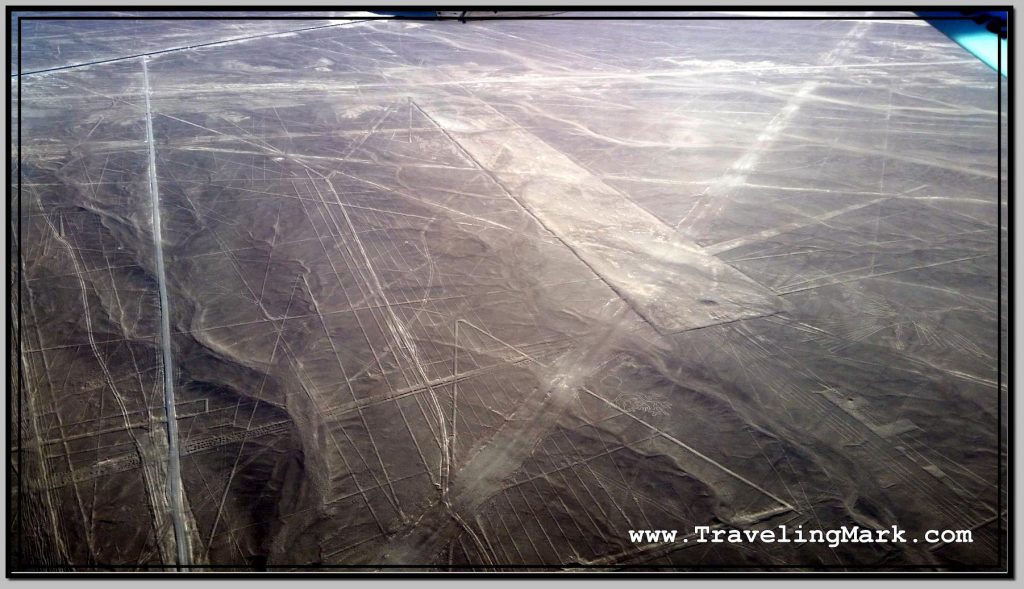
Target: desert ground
pixel 345 292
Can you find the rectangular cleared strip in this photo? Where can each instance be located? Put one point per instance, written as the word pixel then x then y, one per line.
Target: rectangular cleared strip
pixel 174 487
pixel 672 282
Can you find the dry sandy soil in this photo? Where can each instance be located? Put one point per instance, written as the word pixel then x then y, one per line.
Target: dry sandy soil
pixel 338 291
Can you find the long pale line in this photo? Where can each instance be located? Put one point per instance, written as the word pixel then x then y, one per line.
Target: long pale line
pixel 725 246
pixel 174 487
pixel 786 504
pixel 187 47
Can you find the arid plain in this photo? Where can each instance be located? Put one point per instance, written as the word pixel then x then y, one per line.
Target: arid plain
pixel 343 291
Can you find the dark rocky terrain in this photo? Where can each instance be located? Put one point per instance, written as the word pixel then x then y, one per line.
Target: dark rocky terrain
pixel 496 293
